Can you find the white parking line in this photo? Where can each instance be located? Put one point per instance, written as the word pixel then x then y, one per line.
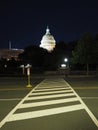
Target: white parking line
pixel 89 97
pixel 10 99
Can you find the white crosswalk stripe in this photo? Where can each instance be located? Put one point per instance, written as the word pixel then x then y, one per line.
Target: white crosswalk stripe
pixel 56 89
pixel 52 92
pixel 47 112
pixel 42 103
pixel 51 96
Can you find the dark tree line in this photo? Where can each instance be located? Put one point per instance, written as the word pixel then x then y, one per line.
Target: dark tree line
pixel 85 52
pixel 82 54
pixel 9 66
pixel 42 59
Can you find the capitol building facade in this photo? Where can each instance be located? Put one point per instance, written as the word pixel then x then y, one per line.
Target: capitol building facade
pixel 48 42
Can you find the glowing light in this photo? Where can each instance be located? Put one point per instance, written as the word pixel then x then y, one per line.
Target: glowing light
pixel 63 65
pixel 48 41
pixel 66 60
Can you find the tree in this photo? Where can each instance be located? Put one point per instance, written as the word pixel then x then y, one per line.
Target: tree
pixel 60 52
pixel 83 52
pixel 33 55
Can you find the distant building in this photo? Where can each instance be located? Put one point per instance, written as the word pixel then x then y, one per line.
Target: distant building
pixel 10 53
pixel 48 42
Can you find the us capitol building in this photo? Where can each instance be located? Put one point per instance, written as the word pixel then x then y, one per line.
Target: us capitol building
pixel 48 42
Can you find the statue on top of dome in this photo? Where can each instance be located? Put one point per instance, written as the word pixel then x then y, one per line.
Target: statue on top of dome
pixel 47 30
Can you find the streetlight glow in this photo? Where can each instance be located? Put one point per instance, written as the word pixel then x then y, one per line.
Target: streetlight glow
pixel 63 65
pixel 66 60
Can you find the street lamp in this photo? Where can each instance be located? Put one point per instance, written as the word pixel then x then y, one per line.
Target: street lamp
pixel 28 66
pixel 63 66
pixel 67 67
pixel 66 60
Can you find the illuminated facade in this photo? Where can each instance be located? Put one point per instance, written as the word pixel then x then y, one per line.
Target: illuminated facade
pixel 10 53
pixel 48 42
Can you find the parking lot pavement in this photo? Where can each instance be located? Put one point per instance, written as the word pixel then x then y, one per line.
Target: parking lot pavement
pixel 54 102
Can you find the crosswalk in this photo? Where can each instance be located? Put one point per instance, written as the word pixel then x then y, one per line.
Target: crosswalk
pixel 51 96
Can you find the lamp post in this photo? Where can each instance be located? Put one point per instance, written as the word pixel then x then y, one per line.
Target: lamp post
pixel 28 66
pixel 67 67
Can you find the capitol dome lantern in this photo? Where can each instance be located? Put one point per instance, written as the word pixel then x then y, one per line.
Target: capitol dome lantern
pixel 48 42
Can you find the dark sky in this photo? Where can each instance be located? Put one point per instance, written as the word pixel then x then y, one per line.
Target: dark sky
pixel 24 22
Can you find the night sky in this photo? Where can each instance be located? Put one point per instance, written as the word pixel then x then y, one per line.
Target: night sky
pixel 24 22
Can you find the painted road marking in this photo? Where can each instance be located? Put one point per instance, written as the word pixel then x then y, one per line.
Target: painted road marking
pixel 89 97
pixel 94 119
pixel 43 103
pixel 52 90
pixel 47 112
pixel 10 99
pixel 16 99
pixel 16 107
pixel 56 89
pixel 14 89
pixel 85 87
pixel 50 96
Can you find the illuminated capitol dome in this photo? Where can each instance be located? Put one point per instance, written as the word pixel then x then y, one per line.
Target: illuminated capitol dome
pixel 48 42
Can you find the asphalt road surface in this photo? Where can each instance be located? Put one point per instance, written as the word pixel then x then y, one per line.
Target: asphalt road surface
pixel 51 105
